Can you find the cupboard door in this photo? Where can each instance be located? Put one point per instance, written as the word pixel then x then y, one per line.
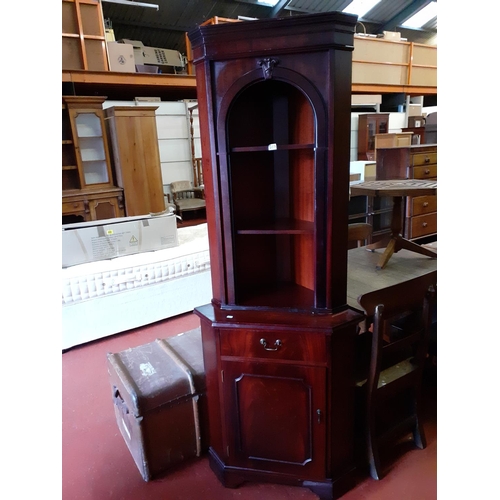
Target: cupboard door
pixel 136 155
pixel 91 148
pixel 276 417
pixel 106 208
pixel 370 125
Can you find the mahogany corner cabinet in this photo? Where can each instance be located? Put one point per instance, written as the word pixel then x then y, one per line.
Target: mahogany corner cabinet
pixel 278 336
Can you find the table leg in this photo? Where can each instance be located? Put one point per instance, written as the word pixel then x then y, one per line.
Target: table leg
pixel 390 249
pixel 397 242
pixel 382 243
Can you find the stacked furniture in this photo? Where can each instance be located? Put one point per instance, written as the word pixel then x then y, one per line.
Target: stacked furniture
pixel 278 336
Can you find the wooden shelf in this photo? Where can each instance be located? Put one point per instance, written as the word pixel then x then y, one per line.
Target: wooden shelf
pixel 117 78
pixel 272 147
pixel 374 88
pixel 115 84
pixel 291 295
pixel 108 82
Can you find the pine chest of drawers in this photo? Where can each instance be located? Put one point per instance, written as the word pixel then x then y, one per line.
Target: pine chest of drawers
pixel 412 162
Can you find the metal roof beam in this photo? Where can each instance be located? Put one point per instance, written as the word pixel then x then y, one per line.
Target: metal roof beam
pixel 402 16
pixel 278 7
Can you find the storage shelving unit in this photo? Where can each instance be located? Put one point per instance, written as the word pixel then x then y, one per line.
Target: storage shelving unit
pixel 88 189
pixel 278 336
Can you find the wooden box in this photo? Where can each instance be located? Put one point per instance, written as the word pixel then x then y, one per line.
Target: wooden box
pixel 158 392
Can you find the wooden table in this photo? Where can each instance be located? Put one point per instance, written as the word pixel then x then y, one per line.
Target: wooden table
pixel 397 189
pixel 363 275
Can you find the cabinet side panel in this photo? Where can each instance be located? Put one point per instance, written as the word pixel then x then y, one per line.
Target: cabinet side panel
pixel 302 177
pixel 212 192
pixel 216 425
pixel 338 167
pixel 342 399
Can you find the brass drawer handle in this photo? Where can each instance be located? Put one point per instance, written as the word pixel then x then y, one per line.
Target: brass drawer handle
pixel 427 159
pixel 427 171
pixel 424 224
pixel 277 344
pixel 426 204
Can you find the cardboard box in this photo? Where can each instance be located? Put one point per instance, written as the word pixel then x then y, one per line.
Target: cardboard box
pixel 105 239
pixel 392 35
pixel 121 57
pixel 414 110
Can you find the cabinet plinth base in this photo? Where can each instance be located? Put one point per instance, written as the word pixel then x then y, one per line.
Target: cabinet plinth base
pixel 233 477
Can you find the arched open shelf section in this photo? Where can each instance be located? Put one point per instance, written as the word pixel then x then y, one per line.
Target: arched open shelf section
pixel 273 162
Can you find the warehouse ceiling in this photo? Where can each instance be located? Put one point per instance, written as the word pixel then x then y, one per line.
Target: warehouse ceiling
pixel 166 27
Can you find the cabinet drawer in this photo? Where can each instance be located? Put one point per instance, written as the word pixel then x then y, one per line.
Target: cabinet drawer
pixel 423 159
pixel 423 205
pixel 423 225
pixel 71 207
pixel 427 172
pixel 279 345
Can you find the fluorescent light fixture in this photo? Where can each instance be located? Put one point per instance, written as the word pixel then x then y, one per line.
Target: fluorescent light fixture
pixel 423 16
pixel 134 4
pixel 268 3
pixel 360 7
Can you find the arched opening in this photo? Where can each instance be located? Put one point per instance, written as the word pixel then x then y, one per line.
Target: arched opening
pixel 271 145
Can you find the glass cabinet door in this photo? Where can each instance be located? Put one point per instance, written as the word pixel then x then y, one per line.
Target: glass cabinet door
pixel 383 127
pixel 372 130
pixel 89 133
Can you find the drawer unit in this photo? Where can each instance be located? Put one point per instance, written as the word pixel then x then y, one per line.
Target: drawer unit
pixel 72 207
pixel 413 162
pixel 423 159
pixel 83 206
pixel 425 172
pixel 421 225
pixel 420 205
pixel 275 345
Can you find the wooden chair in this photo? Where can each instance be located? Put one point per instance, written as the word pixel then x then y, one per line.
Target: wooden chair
pixel 391 390
pixel 168 204
pixel 361 232
pixel 186 197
